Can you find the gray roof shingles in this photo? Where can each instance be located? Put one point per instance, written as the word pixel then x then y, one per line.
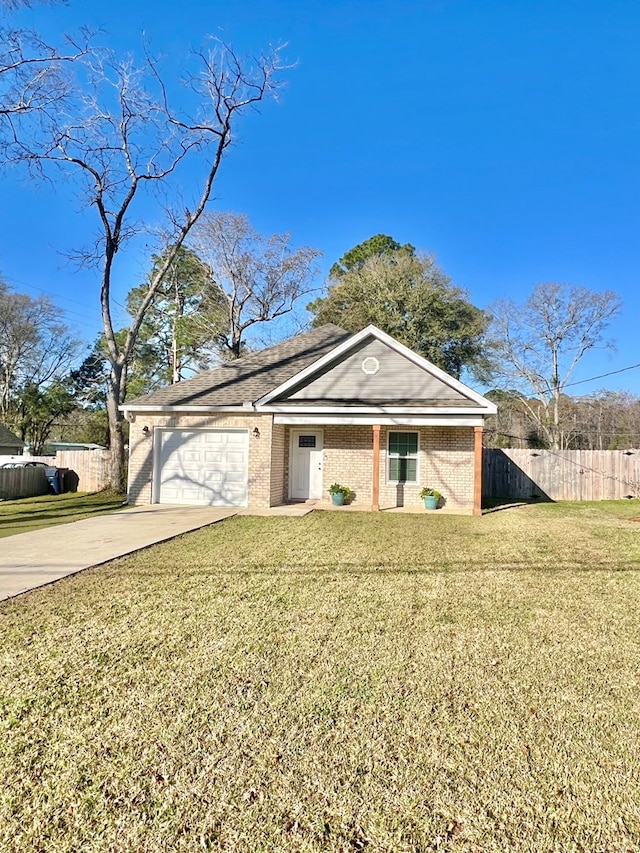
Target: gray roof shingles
pixel 250 377
pixel 8 439
pixel 420 402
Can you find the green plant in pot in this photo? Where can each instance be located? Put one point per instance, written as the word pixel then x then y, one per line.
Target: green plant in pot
pixel 430 497
pixel 340 494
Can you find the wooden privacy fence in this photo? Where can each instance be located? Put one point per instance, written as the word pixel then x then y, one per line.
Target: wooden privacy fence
pixel 22 483
pixel 91 466
pixel 568 475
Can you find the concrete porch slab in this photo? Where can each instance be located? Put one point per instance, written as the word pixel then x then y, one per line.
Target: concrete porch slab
pixel 415 509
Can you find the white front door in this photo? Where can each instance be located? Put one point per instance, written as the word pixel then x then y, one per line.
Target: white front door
pixel 305 468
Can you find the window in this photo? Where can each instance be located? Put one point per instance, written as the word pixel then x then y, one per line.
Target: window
pixel 403 457
pixel 306 441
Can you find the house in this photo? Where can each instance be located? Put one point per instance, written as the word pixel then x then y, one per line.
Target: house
pixel 10 444
pixel 285 423
pixel 52 447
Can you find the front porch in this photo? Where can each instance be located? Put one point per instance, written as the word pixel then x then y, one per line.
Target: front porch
pixel 385 465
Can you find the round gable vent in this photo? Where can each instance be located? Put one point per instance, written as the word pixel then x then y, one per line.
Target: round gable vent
pixel 370 366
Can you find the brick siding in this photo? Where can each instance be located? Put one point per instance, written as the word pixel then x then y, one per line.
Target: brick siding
pixel 141 451
pixel 279 455
pixel 445 463
pixel 445 460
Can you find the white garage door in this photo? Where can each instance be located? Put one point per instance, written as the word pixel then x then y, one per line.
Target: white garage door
pixel 202 466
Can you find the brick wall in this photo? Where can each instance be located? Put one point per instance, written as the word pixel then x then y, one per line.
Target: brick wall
pixel 279 453
pixel 348 460
pixel 445 463
pixel 141 451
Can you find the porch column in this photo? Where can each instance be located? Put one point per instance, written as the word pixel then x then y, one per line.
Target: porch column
pixel 477 470
pixel 375 501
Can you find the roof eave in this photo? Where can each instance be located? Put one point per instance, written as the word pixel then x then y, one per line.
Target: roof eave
pixel 372 410
pixel 167 408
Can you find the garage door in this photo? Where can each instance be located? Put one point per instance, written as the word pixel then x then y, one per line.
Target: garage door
pixel 202 466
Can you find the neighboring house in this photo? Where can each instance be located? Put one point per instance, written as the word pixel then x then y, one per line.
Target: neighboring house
pixel 52 447
pixel 285 423
pixel 10 444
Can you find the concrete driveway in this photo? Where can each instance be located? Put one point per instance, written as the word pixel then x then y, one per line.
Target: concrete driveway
pixel 29 560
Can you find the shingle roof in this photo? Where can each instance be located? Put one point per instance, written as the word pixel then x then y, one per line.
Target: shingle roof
pixel 251 377
pixel 342 402
pixel 8 439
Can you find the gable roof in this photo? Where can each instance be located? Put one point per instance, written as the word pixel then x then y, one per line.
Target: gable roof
pixel 456 394
pixel 8 439
pixel 250 377
pixel 304 373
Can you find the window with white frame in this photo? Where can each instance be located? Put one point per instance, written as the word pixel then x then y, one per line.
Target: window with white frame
pixel 402 457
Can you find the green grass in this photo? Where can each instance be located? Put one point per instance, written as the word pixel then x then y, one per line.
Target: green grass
pixel 45 511
pixel 338 682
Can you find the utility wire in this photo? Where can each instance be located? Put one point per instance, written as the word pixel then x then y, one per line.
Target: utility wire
pixel 91 309
pixel 602 375
pixel 94 312
pixel 581 464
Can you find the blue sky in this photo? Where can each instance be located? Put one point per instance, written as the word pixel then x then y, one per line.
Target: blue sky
pixel 502 136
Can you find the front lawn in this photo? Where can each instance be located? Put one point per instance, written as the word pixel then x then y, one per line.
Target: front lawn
pixel 46 510
pixel 338 682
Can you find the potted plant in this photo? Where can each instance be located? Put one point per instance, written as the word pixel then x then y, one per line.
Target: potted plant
pixel 431 497
pixel 339 494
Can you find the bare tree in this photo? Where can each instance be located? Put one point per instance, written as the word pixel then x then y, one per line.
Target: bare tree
pixel 35 75
pixel 605 420
pixel 259 278
pixel 124 145
pixel 538 345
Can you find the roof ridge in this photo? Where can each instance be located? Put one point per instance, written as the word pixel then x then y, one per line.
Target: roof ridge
pixel 326 327
pixel 260 353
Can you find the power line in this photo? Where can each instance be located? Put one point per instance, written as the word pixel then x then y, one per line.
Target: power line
pixel 603 434
pixel 89 309
pixel 602 375
pixel 578 464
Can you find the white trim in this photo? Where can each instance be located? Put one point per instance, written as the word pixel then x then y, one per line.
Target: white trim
pixel 369 420
pixel 187 408
pixel 383 410
pixel 308 410
pixel 391 482
pixel 487 406
pixel 295 432
pixel 155 487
